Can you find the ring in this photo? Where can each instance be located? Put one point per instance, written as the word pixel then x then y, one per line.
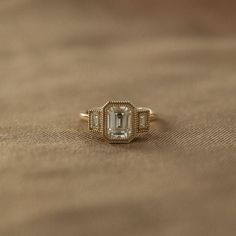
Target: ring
pixel 119 121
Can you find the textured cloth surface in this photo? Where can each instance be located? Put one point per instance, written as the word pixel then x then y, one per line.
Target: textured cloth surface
pixel 60 57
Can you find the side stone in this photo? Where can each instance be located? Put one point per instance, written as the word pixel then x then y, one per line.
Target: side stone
pixel 94 120
pixel 143 120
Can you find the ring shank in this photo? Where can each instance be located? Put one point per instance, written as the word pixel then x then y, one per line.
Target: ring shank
pixel 84 116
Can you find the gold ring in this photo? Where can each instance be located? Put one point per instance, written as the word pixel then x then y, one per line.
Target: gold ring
pixel 119 121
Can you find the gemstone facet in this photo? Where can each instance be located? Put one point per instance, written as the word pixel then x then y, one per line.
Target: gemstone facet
pixel 94 120
pixel 143 120
pixel 119 122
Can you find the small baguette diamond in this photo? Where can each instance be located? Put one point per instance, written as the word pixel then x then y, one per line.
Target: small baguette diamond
pixel 94 120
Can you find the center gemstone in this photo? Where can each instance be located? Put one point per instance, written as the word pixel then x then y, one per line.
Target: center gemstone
pixel 119 122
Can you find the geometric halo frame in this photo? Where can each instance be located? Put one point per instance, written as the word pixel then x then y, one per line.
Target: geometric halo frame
pixel 131 107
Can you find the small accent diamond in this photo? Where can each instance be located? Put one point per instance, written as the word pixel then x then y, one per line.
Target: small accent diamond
pixel 143 120
pixel 94 120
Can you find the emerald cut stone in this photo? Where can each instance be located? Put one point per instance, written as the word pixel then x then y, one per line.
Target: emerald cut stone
pixel 119 122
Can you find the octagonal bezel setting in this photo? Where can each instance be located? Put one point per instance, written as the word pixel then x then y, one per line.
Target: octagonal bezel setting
pixel 130 108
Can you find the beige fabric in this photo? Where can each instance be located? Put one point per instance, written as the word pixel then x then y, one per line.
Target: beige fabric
pixel 60 57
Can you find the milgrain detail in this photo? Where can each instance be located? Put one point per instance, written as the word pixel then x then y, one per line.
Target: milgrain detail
pixel 143 117
pixel 95 120
pixel 119 121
